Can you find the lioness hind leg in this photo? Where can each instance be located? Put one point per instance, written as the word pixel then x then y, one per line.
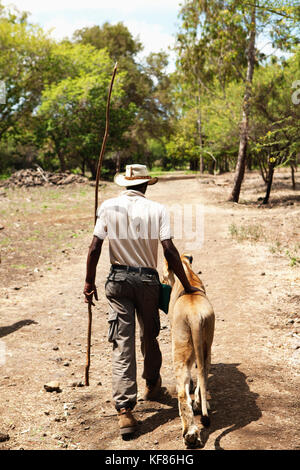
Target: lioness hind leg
pixel 190 431
pixel 192 386
pixel 200 402
pixel 184 399
pixel 197 406
pixel 192 437
pixel 197 399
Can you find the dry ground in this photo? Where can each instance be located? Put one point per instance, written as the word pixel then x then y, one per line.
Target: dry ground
pixel 250 267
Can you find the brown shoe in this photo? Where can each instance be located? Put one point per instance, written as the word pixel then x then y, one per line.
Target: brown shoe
pixel 152 391
pixel 127 421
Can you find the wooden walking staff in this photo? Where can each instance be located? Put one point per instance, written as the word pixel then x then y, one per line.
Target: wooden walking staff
pixel 88 353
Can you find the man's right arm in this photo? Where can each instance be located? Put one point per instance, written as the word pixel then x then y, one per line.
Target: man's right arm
pixel 173 258
pixel 91 266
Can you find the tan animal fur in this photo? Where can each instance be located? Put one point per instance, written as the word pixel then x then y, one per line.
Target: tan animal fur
pixel 192 327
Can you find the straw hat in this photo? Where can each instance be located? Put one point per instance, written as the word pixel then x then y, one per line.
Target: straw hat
pixel 134 175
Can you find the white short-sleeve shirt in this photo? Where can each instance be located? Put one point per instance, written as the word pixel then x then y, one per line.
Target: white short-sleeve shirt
pixel 134 225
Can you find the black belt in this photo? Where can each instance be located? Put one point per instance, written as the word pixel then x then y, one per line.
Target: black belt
pixel 134 269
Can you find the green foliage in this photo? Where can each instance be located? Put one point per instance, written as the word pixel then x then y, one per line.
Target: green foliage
pixel 294 259
pixel 217 53
pixel 24 63
pixel 145 91
pixel 211 42
pixel 275 129
pixel 72 111
pixel 115 38
pixel 54 114
pixel 183 145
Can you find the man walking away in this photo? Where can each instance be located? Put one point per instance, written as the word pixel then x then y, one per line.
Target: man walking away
pixel 133 225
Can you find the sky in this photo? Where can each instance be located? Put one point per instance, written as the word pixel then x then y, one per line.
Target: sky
pixel 154 21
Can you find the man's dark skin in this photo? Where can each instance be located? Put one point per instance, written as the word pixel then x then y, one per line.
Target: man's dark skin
pixel 170 252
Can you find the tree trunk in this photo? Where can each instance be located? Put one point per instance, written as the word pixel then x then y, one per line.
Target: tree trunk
pixel 211 167
pixel 293 175
pixel 148 160
pixel 249 162
pixel 118 162
pixel 226 165
pixel 199 125
pixel 93 168
pixel 83 166
pixel 242 155
pixel 164 163
pixel 194 164
pixel 262 171
pixel 62 161
pixel 269 186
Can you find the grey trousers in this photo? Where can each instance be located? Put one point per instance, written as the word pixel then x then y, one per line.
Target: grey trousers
pixel 129 293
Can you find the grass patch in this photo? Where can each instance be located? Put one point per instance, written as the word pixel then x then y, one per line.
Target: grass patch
pixel 19 266
pixel 54 195
pixel 252 233
pixel 276 248
pixel 51 219
pixel 5 176
pixel 294 260
pixel 255 233
pixel 291 253
pixel 32 238
pixel 5 241
pixel 157 171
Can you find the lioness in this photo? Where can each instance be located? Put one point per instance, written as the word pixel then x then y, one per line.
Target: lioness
pixel 192 327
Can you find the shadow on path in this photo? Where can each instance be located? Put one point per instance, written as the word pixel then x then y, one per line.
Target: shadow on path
pixel 162 415
pixel 7 330
pixel 233 404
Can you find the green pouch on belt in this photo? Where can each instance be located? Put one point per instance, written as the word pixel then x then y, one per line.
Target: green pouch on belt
pixel 164 297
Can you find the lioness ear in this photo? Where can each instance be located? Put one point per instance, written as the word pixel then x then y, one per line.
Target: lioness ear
pixel 190 258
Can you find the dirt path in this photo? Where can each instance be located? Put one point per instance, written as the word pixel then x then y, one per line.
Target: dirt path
pixel 253 381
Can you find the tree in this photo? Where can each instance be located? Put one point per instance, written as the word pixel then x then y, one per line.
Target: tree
pixel 222 118
pixel 117 39
pixel 262 15
pixel 24 66
pixel 220 41
pixel 183 146
pixel 274 134
pixel 207 52
pixel 72 111
pixel 277 147
pixel 144 88
pixel 244 128
pixel 153 120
